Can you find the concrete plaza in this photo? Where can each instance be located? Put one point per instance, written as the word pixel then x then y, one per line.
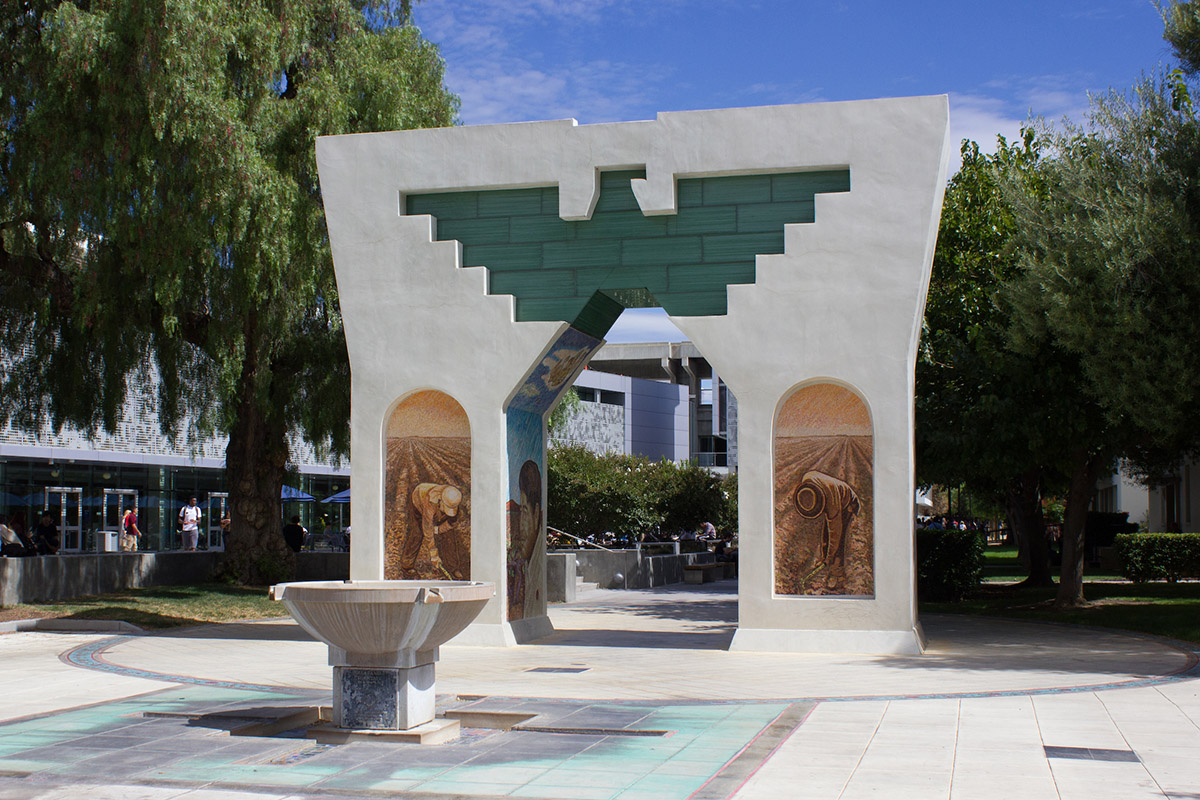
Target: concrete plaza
pixel 634 696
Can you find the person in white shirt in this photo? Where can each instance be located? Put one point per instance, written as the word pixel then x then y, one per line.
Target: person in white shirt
pixel 189 515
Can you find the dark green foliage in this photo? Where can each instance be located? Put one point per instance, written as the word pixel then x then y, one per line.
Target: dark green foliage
pixel 949 563
pixel 160 212
pixel 629 495
pixel 1159 556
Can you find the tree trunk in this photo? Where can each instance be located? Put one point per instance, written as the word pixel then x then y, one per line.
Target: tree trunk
pixel 1083 485
pixel 1023 507
pixel 255 464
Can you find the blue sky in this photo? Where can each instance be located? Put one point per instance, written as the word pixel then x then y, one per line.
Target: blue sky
pixel 616 60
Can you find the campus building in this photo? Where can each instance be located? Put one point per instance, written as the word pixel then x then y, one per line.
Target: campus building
pixel 87 482
pixel 1174 504
pixel 659 400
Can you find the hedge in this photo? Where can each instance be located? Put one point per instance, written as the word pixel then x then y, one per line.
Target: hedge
pixel 1158 556
pixel 629 495
pixel 949 563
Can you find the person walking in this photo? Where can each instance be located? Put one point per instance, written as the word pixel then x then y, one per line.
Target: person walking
pixel 130 533
pixel 189 516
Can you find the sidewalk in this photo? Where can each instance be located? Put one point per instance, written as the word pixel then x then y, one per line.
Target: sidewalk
pixel 993 709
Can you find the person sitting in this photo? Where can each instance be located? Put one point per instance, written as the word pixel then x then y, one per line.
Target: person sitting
pixel 10 543
pixel 46 536
pixel 340 540
pixel 724 550
pixel 293 534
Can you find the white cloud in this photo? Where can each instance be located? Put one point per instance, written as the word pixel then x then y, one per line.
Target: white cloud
pixel 1004 106
pixel 499 80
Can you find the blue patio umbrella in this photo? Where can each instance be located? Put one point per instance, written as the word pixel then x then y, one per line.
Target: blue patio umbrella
pixel 9 499
pixel 295 495
pixel 341 497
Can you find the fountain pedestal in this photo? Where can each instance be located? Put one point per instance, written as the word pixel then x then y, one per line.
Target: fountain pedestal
pixel 383 639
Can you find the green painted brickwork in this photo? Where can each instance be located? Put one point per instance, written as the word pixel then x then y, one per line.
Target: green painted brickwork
pixel 570 271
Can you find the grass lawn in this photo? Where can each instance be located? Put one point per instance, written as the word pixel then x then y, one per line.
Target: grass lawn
pixel 1160 608
pixel 160 607
pixel 1002 565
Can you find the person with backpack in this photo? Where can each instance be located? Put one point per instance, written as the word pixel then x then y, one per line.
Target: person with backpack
pixel 189 520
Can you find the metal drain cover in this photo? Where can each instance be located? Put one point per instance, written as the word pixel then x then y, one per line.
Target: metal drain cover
pixel 1091 754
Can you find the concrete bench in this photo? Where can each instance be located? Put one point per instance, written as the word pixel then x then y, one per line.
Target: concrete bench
pixel 703 573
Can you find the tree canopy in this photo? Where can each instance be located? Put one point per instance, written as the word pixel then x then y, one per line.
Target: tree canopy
pixel 1087 348
pixel 160 209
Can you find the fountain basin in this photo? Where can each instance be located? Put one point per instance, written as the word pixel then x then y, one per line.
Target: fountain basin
pixel 384 623
pixel 383 639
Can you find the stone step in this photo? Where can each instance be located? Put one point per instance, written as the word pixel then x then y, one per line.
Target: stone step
pixel 585 586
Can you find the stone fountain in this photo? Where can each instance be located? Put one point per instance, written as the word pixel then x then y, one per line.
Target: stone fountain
pixel 383 639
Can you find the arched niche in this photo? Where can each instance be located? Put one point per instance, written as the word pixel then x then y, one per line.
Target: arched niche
pixel 824 541
pixel 427 489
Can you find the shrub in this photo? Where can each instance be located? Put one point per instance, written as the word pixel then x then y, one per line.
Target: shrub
pixel 1158 556
pixel 629 495
pixel 949 563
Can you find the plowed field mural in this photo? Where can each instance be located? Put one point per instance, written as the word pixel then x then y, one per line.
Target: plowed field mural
pixel 427 494
pixel 824 494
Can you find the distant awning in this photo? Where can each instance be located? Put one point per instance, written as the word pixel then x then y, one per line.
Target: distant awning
pixel 295 495
pixel 341 497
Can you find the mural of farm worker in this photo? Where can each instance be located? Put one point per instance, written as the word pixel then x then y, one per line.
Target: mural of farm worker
pixel 824 495
pixel 434 509
pixel 525 528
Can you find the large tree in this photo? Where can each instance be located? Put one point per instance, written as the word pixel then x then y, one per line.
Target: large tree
pixel 1096 298
pixel 1111 275
pixel 989 417
pixel 160 211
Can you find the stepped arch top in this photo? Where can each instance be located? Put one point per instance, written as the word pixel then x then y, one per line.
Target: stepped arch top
pixel 586 272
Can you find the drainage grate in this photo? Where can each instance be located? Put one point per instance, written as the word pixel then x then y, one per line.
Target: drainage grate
pixel 592 731
pixel 1091 754
pixel 558 669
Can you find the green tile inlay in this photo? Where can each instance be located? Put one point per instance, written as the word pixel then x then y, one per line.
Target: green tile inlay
pixel 493 229
pixel 616 192
pixel 510 203
pixel 652 278
pixel 715 219
pixel 689 193
pixel 693 304
pixel 664 250
pixel 500 257
pixel 771 217
pixel 550 200
pixel 455 205
pixel 533 283
pixel 541 229
pixel 586 272
pixel 741 246
pixel 581 253
pixel 803 185
pixel 708 277
pixel 738 189
pixel 621 225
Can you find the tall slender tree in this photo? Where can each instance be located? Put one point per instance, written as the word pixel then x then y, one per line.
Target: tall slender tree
pixel 160 209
